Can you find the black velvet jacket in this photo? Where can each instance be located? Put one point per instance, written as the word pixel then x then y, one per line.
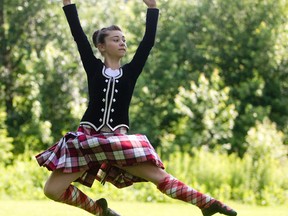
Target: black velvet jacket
pixel 110 91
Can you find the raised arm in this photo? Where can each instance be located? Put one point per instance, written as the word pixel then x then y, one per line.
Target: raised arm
pixel 85 50
pixel 140 57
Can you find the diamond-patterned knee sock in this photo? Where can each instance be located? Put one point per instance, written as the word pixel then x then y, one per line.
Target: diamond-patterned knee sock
pixel 178 190
pixel 73 196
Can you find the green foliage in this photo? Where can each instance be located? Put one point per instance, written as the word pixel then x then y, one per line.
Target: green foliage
pixel 242 38
pixel 206 115
pixel 22 180
pixel 264 141
pixel 245 41
pixel 38 82
pixel 268 154
pixel 223 176
pixel 5 141
pixel 36 132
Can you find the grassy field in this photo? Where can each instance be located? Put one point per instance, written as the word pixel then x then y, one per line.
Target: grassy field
pixel 49 208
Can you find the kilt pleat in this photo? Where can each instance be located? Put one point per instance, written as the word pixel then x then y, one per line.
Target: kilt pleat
pixel 100 155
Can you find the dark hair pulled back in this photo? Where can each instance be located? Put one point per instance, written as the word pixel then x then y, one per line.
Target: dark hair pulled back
pixel 99 35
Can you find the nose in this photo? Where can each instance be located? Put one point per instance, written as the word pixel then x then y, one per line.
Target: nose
pixel 123 43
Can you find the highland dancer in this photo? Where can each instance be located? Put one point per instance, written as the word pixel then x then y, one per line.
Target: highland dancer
pixel 101 148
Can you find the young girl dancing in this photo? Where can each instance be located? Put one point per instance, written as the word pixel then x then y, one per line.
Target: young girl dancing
pixel 101 148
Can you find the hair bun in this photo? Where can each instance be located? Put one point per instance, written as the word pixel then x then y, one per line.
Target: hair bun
pixel 99 35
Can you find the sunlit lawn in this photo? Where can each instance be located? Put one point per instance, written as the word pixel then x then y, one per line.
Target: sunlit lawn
pixel 49 208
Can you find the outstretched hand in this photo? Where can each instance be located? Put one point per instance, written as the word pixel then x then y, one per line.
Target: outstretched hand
pixel 66 2
pixel 150 3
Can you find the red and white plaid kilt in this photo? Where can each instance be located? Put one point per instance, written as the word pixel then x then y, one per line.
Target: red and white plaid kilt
pixel 100 155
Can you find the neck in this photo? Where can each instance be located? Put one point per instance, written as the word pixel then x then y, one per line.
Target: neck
pixel 112 63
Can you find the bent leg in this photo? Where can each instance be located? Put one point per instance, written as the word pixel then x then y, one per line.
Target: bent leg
pixel 58 182
pixel 58 187
pixel 176 189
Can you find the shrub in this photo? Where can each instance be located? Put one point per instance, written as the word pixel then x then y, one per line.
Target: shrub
pixel 218 174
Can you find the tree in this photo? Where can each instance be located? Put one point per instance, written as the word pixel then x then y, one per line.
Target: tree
pixel 43 84
pixel 26 27
pixel 6 141
pixel 244 40
pixel 206 115
pixel 241 38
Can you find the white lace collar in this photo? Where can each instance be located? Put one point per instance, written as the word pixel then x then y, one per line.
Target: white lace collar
pixel 108 72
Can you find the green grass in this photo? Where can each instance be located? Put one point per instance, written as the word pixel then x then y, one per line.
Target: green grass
pixel 50 208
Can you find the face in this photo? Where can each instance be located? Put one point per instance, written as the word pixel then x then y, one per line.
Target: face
pixel 114 46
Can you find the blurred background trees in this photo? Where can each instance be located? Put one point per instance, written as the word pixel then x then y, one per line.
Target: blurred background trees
pixel 43 90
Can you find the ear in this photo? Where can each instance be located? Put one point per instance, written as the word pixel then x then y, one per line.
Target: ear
pixel 101 47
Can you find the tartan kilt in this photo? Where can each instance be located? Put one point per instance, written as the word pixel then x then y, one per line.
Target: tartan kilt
pixel 100 155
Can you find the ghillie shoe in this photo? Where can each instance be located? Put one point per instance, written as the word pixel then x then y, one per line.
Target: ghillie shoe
pixel 110 212
pixel 105 210
pixel 218 207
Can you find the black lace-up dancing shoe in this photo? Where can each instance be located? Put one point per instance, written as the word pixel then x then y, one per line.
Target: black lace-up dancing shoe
pixel 218 207
pixel 105 210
